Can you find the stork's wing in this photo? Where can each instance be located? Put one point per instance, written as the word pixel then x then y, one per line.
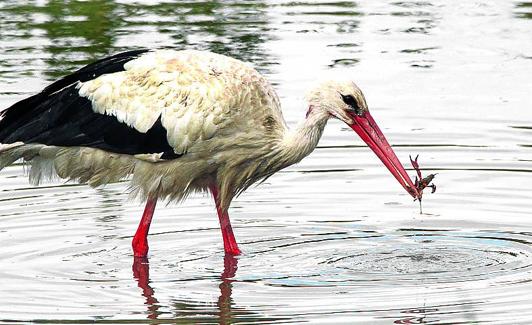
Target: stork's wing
pixel 60 116
pixel 193 95
pixel 145 102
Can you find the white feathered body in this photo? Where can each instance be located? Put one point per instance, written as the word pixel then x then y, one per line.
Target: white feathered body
pixel 222 118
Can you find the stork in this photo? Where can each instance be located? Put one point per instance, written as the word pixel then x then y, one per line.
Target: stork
pixel 173 123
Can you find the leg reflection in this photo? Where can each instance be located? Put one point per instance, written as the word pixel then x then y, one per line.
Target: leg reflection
pixel 225 300
pixel 141 272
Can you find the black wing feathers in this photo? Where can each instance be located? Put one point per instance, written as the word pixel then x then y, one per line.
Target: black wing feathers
pixel 59 116
pixel 110 64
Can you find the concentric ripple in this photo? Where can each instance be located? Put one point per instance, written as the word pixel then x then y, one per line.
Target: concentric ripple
pixel 331 240
pixel 404 257
pixel 443 258
pixel 349 267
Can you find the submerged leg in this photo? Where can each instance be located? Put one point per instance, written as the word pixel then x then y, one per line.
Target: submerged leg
pixel 230 245
pixel 140 241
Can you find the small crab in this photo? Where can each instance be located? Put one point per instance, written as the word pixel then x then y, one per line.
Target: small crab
pixel 421 183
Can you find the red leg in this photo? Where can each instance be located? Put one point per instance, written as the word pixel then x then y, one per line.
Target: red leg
pixel 230 245
pixel 140 241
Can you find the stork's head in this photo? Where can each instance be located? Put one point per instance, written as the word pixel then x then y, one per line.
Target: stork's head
pixel 345 101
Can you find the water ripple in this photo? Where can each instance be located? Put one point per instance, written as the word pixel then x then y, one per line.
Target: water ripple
pixel 330 240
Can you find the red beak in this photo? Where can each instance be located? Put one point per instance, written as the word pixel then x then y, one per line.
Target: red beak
pixel 368 130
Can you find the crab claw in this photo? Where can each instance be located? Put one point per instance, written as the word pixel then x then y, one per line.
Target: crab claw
pixel 416 166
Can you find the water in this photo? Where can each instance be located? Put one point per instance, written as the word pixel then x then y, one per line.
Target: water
pixel 333 239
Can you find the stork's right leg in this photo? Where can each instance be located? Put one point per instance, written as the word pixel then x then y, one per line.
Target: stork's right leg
pixel 230 245
pixel 140 241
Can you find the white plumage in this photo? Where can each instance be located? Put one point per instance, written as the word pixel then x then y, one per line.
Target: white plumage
pixel 220 117
pixel 195 93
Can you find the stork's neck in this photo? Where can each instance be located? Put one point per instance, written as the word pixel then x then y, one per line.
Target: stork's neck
pixel 301 141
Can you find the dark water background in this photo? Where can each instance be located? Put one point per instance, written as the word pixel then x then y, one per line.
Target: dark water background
pixel 331 240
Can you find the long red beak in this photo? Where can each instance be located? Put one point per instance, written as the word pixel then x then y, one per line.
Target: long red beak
pixel 370 132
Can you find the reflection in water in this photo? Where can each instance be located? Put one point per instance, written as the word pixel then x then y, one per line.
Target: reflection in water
pixel 225 314
pixel 225 301
pixel 418 19
pixel 524 9
pixel 328 240
pixel 141 272
pixel 315 18
pixel 79 32
pixel 420 318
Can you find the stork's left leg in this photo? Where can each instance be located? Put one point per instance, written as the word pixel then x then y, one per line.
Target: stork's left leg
pixel 230 245
pixel 140 241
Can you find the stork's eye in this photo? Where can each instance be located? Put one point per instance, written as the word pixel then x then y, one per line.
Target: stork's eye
pixel 352 103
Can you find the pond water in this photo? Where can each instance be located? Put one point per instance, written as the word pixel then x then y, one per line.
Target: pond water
pixel 333 239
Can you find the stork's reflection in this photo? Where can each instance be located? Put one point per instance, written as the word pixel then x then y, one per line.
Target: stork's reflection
pixel 226 287
pixel 141 272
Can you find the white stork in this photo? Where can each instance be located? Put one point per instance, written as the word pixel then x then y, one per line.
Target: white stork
pixel 176 122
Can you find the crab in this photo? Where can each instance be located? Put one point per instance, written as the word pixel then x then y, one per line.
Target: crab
pixel 422 182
